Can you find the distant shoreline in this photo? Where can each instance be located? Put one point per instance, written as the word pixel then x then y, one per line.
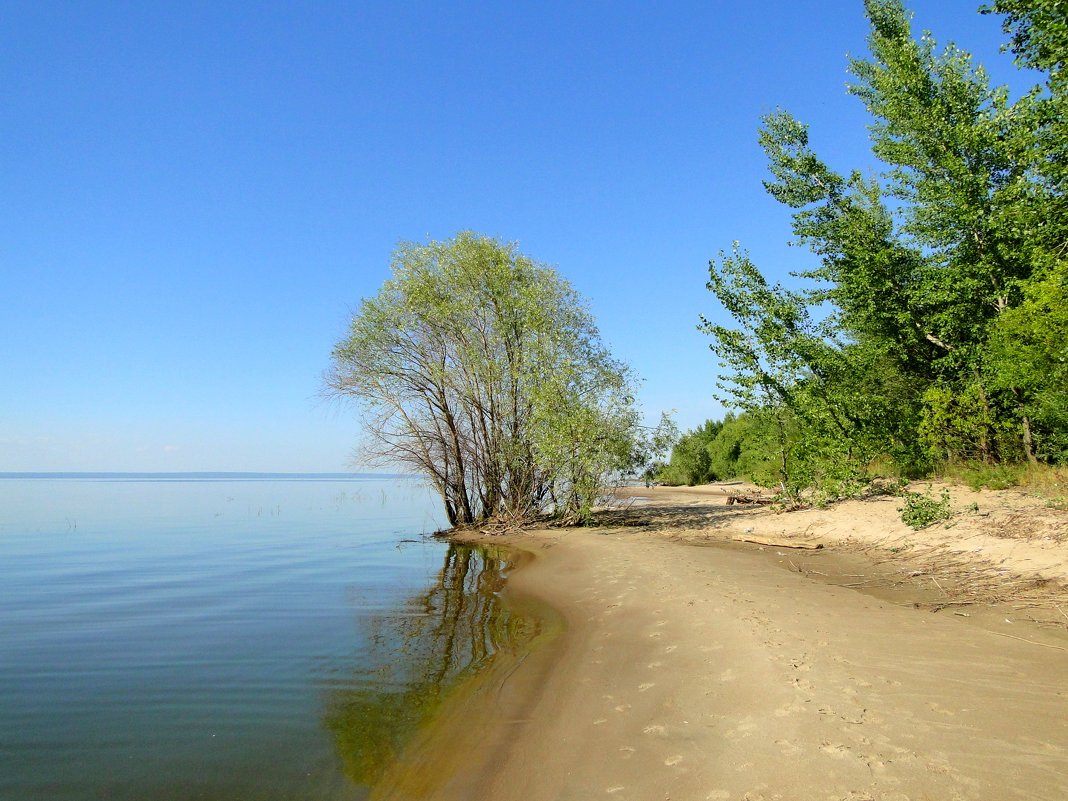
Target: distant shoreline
pixel 222 475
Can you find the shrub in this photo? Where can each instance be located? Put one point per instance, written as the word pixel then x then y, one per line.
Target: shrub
pixel 988 476
pixel 921 510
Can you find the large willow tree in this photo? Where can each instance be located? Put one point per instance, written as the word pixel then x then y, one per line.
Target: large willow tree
pixel 483 371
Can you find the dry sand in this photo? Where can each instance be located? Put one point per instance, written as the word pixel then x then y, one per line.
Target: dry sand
pixel 689 669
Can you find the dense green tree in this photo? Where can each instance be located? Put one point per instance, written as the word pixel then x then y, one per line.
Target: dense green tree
pixel 1028 356
pixel 962 162
pixel 1038 31
pixel 931 329
pixel 691 462
pixel 728 447
pixel 750 446
pixel 747 445
pixel 483 371
pixel 765 351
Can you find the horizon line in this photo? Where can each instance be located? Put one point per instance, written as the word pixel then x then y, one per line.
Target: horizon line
pixel 79 473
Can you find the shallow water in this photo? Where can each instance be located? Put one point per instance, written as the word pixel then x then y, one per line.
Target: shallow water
pixel 227 637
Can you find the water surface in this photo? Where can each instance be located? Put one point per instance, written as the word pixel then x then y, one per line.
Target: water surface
pixel 227 637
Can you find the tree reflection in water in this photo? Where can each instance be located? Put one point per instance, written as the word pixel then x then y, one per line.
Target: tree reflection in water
pixel 454 629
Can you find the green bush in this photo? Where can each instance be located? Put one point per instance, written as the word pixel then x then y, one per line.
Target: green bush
pixel 690 462
pixel 921 510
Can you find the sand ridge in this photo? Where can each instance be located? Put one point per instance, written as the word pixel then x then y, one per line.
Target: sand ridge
pixel 999 547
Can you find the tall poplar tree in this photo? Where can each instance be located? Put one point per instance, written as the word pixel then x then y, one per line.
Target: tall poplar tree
pixel 942 279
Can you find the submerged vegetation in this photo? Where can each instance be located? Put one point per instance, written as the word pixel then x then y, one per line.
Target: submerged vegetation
pixel 933 331
pixel 454 630
pixel 483 371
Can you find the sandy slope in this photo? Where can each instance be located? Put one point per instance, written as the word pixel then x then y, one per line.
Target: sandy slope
pixel 999 547
pixel 1007 531
pixel 693 673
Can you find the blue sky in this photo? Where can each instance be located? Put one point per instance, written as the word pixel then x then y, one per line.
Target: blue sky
pixel 196 196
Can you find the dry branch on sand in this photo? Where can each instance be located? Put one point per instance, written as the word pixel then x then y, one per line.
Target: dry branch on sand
pixel 803 545
pixel 747 498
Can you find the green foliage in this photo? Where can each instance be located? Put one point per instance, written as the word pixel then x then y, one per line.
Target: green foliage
pixel 933 330
pixel 749 446
pixel 956 425
pixel 1038 31
pixel 767 351
pixel 922 510
pixel 980 476
pixel 1027 356
pixel 691 462
pixel 745 447
pixel 483 371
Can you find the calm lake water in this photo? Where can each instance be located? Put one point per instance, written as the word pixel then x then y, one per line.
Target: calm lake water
pixel 227 637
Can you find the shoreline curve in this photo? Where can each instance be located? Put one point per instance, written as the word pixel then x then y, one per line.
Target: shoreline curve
pixel 683 672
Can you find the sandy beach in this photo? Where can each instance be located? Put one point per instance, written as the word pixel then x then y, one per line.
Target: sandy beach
pixel 689 666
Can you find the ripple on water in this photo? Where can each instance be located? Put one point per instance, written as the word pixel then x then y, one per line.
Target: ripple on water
pixel 231 639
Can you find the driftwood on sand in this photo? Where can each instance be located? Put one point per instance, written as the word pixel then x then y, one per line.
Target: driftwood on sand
pixel 740 497
pixel 806 545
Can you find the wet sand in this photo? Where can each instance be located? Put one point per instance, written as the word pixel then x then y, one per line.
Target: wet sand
pixel 691 673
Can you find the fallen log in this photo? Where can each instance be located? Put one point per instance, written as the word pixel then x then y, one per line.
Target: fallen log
pixel 739 498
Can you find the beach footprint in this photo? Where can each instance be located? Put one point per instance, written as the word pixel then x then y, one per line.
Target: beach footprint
pixel 788 748
pixel 834 750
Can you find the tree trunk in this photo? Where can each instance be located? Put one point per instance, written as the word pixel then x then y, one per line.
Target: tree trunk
pixel 784 471
pixel 1028 442
pixel 1025 423
pixel 984 426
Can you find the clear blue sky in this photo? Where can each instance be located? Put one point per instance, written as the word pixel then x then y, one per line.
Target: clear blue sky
pixel 195 196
